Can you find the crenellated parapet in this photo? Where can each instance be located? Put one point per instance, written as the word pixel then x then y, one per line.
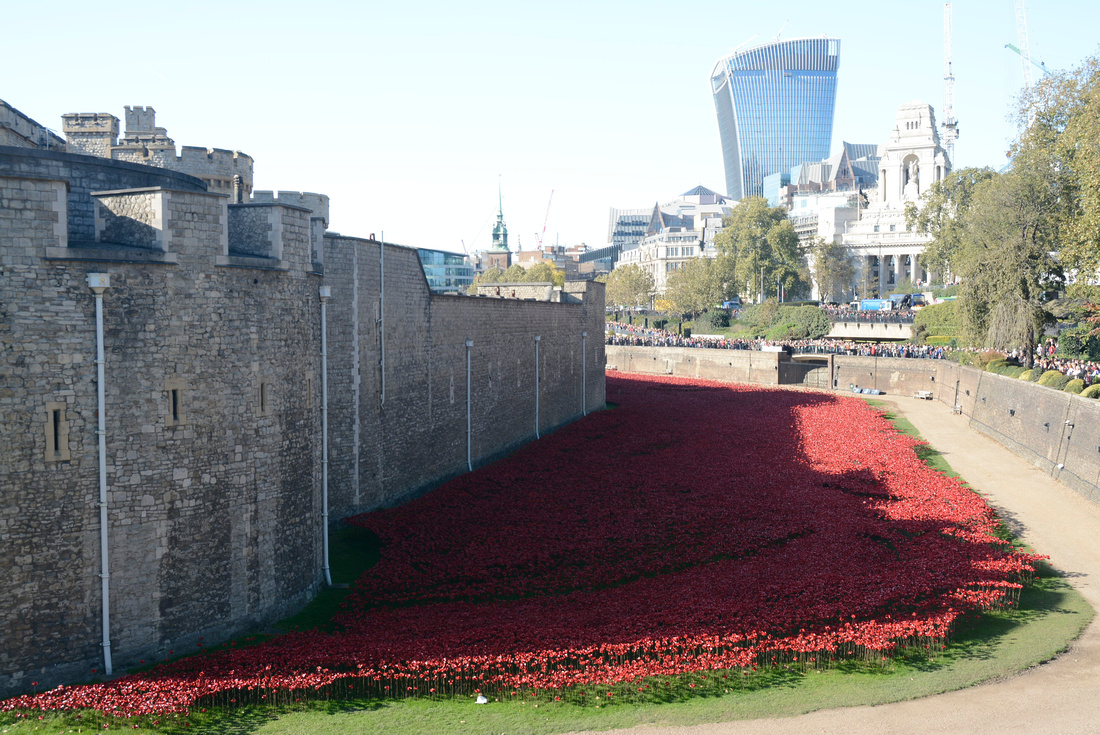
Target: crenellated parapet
pixel 97 134
pixel 90 133
pixel 316 203
pixel 218 167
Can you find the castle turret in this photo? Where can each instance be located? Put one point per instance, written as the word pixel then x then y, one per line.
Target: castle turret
pixel 90 133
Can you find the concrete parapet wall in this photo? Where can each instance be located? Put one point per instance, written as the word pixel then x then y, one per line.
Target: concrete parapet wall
pixel 870 330
pixel 744 366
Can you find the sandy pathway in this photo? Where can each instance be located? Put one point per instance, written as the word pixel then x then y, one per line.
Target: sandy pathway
pixel 1060 697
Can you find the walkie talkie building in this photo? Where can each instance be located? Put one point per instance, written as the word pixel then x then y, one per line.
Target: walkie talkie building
pixel 775 108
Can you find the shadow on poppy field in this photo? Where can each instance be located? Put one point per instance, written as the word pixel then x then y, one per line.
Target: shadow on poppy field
pixel 696 527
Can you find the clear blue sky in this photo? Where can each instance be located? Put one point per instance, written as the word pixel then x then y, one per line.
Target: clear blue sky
pixel 407 114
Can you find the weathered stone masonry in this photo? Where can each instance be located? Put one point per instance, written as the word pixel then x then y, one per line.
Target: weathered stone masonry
pixel 212 334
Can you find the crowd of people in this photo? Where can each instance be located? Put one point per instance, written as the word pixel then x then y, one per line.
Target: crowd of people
pixel 845 313
pixel 620 333
pixel 636 336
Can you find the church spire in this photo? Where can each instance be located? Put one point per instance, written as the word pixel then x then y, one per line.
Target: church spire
pixel 500 230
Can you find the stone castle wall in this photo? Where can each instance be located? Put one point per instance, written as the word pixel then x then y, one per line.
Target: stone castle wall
pixel 422 412
pixel 213 403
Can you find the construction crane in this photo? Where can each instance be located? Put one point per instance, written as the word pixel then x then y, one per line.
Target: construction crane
pixel 545 219
pixel 1037 64
pixel 950 124
pixel 1024 51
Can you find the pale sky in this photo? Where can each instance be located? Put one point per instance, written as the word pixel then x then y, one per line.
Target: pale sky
pixel 408 114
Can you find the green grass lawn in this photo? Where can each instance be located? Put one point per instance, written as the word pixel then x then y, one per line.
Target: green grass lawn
pixel 995 644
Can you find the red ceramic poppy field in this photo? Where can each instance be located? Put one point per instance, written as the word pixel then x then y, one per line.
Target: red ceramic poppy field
pixel 695 527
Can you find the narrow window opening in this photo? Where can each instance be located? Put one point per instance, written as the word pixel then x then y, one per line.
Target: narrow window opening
pixel 55 447
pixel 56 433
pixel 263 397
pixel 175 405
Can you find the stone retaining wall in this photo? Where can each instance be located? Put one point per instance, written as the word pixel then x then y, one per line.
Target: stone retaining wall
pixel 1059 432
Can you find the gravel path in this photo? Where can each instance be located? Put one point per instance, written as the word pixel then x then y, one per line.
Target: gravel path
pixel 1062 696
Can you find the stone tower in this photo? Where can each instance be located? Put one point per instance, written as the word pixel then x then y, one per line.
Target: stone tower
pixel 499 256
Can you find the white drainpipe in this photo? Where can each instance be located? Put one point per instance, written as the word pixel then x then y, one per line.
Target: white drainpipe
pixel 584 374
pixel 100 282
pixel 537 338
pixel 469 461
pixel 326 293
pixel 382 317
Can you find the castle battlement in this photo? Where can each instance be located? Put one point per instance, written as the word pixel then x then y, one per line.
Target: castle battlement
pixel 87 122
pixel 316 203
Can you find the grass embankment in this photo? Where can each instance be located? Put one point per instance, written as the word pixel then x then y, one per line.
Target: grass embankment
pixel 995 644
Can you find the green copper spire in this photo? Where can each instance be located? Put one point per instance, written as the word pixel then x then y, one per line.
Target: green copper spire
pixel 500 230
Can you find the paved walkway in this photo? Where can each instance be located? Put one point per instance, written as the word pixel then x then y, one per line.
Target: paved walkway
pixel 1062 696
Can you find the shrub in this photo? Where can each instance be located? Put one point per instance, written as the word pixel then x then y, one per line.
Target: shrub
pixel 1093 391
pixel 760 316
pixel 1076 343
pixel 940 340
pixel 1026 374
pixel 811 321
pixel 716 319
pixel 1015 371
pixel 997 365
pixel 1075 386
pixel 938 319
pixel 789 330
pixel 1053 379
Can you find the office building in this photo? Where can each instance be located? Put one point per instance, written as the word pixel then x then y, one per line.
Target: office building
pixel 775 109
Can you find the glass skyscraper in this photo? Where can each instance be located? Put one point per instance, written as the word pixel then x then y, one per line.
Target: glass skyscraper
pixel 775 109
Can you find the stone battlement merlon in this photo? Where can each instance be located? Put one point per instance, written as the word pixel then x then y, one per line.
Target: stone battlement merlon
pixel 202 154
pixel 80 122
pixel 142 120
pixel 317 203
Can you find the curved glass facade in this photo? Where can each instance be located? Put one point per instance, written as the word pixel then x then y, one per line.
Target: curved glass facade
pixel 775 109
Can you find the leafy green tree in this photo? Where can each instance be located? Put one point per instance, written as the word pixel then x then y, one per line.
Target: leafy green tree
pixel 755 238
pixel 833 269
pixel 694 287
pixel 545 272
pixel 490 275
pixel 943 215
pixel 1004 255
pixel 1060 119
pixel 629 286
pixel 515 274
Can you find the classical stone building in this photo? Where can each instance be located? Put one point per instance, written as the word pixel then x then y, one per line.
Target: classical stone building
pixel 912 160
pixel 163 382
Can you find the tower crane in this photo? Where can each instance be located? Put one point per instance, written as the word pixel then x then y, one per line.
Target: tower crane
pixel 540 236
pixel 1024 50
pixel 1037 64
pixel 950 124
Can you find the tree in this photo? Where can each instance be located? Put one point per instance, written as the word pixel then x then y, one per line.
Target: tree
pixel 1004 255
pixel 1060 122
pixel 755 238
pixel 694 287
pixel 545 272
pixel 942 215
pixel 833 270
pixel 629 286
pixel 490 275
pixel 514 274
